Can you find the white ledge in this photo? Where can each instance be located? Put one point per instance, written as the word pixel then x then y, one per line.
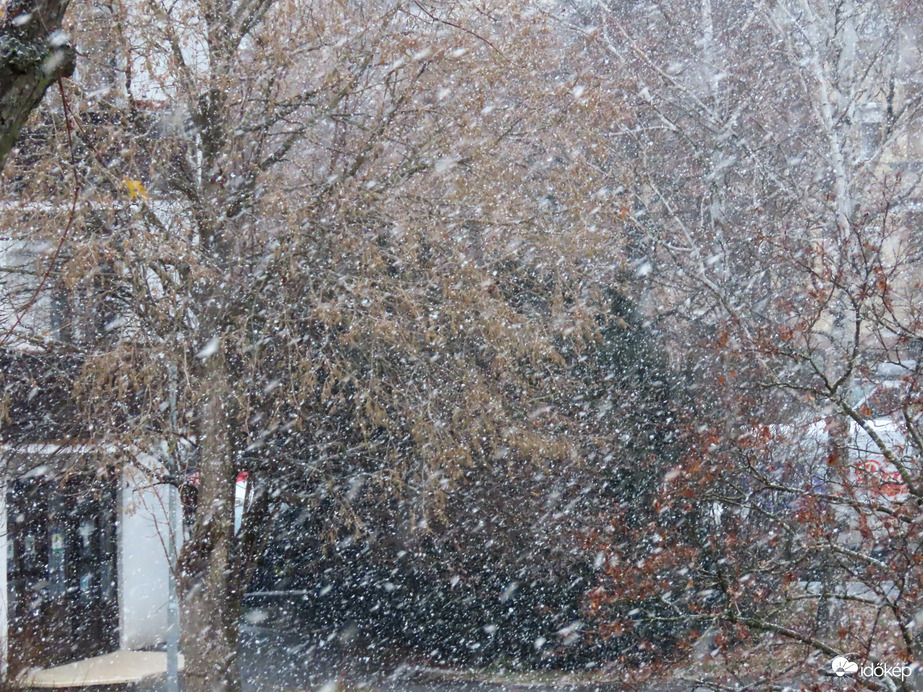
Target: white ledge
pixel 116 668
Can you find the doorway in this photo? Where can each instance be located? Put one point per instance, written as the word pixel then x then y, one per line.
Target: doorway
pixel 61 569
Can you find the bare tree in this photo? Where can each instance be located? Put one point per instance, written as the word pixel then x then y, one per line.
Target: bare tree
pixel 781 245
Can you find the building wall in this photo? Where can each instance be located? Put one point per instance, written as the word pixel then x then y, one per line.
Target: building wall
pixel 143 567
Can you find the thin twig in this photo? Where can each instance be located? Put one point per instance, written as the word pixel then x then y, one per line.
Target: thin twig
pixel 70 222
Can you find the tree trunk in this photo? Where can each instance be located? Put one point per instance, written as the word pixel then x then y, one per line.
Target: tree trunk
pixel 33 54
pixel 209 626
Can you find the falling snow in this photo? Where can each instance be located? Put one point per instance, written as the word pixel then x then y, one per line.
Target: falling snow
pixel 452 346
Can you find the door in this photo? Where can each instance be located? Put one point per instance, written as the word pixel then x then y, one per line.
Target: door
pixel 62 570
pixel 89 536
pixel 28 575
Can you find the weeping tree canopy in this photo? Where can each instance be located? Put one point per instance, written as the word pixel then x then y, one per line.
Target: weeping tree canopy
pixel 389 253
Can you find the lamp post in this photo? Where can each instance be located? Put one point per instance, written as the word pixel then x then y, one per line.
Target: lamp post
pixel 172 602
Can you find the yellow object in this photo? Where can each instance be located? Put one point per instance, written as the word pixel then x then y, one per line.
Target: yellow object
pixel 135 188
